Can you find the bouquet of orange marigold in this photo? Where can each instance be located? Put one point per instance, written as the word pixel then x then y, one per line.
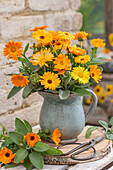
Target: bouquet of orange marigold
pixel 55 66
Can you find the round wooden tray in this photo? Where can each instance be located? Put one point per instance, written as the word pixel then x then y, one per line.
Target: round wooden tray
pixel 102 149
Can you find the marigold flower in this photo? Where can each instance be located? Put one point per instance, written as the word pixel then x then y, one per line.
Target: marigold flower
pixel 50 80
pixel 65 36
pixel 98 90
pixel 95 73
pixel 98 43
pixel 109 89
pixel 77 50
pixel 62 63
pixel 54 35
pixel 41 57
pixel 56 136
pixel 13 49
pixel 6 155
pixel 89 100
pixel 39 28
pixel 106 50
pixel 102 98
pixel 19 80
pixel 81 74
pixel 111 39
pixel 80 35
pixel 58 45
pixel 82 59
pixel 32 138
pixel 42 36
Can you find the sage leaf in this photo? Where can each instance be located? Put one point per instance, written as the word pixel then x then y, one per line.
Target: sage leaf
pixel 21 154
pixel 13 91
pixel 27 90
pixel 89 131
pixel 20 127
pixel 52 151
pixel 81 92
pixel 36 159
pixel 29 127
pixel 40 147
pixel 64 94
pixel 111 121
pixel 16 137
pixel 104 124
pixel 109 134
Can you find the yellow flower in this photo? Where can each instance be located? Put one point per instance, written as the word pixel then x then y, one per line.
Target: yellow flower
pixel 81 74
pixel 50 80
pixel 82 59
pixel 42 36
pixel 65 36
pixel 109 89
pixel 89 100
pixel 58 45
pixel 89 35
pixel 77 50
pixel 54 35
pixel 106 50
pixel 19 80
pixel 41 57
pixel 32 138
pixel 13 49
pixel 62 63
pixel 6 155
pixel 102 98
pixel 98 43
pixel 80 35
pixel 98 90
pixel 95 73
pixel 40 28
pixel 111 39
pixel 56 136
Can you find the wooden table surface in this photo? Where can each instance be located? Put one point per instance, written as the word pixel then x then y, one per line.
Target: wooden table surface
pixel 105 163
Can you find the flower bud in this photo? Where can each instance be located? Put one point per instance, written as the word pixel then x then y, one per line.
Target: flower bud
pixel 34 78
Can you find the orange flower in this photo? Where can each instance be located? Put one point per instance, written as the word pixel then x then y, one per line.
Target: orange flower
pixel 111 100
pixel 19 80
pixel 56 136
pixel 102 98
pixel 6 155
pixel 82 59
pixel 106 51
pixel 77 50
pixel 54 34
pixel 65 36
pixel 80 35
pixel 111 39
pixel 40 28
pixel 41 57
pixel 42 36
pixel 50 80
pixel 109 89
pixel 58 45
pixel 98 90
pixel 89 100
pixel 95 73
pixel 98 43
pixel 13 49
pixel 32 138
pixel 62 63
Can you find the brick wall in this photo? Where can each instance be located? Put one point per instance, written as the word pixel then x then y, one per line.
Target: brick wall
pixel 17 17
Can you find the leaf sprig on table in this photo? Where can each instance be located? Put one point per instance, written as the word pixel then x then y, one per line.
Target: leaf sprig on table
pixel 26 147
pixel 108 131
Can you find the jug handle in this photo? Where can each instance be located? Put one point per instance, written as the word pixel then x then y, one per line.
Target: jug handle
pixel 93 105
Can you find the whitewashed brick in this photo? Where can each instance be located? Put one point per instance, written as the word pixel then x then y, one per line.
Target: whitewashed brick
pixel 31 114
pixel 45 5
pixel 19 26
pixel 11 5
pixel 75 4
pixel 64 21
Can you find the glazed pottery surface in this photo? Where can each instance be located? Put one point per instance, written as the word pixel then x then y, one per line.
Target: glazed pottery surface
pixel 66 115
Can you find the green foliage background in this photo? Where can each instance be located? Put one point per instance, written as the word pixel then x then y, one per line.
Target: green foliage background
pixel 93 16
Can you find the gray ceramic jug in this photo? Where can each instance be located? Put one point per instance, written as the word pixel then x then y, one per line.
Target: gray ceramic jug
pixel 66 115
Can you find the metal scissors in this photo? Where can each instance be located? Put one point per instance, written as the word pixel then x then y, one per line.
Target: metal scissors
pixel 88 145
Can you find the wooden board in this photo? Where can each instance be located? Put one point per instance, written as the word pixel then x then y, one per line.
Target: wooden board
pixel 103 148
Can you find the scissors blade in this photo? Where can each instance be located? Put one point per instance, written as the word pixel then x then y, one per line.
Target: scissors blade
pixel 96 140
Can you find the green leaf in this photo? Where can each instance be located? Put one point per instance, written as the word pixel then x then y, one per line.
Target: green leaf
pixel 8 141
pixel 81 92
pixel 109 134
pixel 21 154
pixel 96 62
pixel 89 131
pixel 20 127
pixel 29 127
pixel 83 85
pixel 102 58
pixel 16 137
pixel 52 151
pixel 40 147
pixel 10 165
pixel 27 90
pixel 111 121
pixel 36 159
pixel 104 124
pixel 13 91
pixel 21 59
pixel 27 163
pixel 64 94
pixel 26 48
pixel 111 128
